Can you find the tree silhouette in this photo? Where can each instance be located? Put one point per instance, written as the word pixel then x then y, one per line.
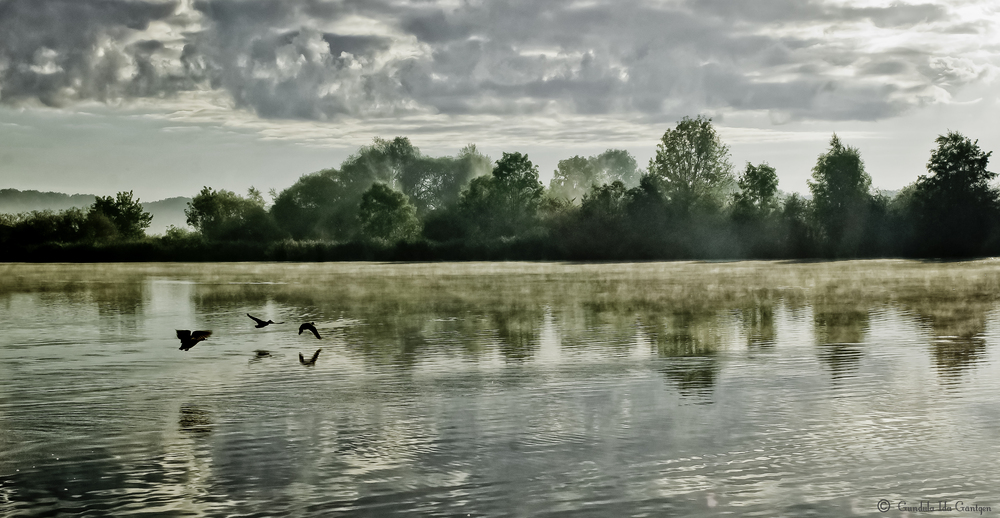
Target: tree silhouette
pixel 692 167
pixel 126 214
pixel 756 198
pixel 387 215
pixel 956 207
pixel 505 203
pixel 841 200
pixel 226 216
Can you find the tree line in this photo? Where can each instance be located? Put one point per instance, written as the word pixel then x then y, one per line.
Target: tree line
pixel 389 201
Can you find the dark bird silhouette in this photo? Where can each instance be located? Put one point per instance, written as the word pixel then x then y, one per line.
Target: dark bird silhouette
pixel 260 353
pixel 310 326
pixel 311 361
pixel 190 339
pixel 261 323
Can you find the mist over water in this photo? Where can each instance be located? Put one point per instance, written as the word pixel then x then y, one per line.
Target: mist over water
pixel 499 389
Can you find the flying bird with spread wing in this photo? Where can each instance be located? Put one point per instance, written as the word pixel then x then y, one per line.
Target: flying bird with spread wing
pixel 261 323
pixel 190 339
pixel 311 361
pixel 310 326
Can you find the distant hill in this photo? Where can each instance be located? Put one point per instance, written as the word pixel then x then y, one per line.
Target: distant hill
pixel 13 201
pixel 165 212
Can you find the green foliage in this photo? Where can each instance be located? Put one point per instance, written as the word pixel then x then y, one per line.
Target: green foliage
pixel 607 203
pixel 325 205
pixel 756 198
pixel 435 183
pixel 796 231
pixel 126 214
pixel 692 168
pixel 387 215
pixel 67 226
pixel 841 199
pixel 955 208
pixel 574 176
pixel 317 206
pixel 617 165
pixel 389 202
pixel 226 216
pixel 505 203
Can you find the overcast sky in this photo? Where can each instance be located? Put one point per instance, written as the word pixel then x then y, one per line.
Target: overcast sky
pixel 98 96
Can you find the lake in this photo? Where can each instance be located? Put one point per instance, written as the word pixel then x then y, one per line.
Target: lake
pixel 501 389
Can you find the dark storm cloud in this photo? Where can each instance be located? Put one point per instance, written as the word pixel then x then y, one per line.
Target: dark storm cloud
pixel 319 60
pixel 52 50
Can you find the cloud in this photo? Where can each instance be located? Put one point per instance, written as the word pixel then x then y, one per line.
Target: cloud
pixel 59 51
pixel 329 60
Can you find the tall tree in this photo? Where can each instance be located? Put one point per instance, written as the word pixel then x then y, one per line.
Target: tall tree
pixel 955 206
pixel 324 205
pixel 756 198
pixel 841 199
pixel 126 214
pixel 574 177
pixel 387 215
pixel 435 183
pixel 692 167
pixel 505 203
pixel 226 216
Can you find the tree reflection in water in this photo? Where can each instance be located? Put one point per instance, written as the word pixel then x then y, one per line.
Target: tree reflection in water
pixel 688 341
pixel 840 328
pixel 758 325
pixel 958 326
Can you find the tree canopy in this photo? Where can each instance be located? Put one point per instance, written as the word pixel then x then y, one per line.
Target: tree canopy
pixel 225 215
pixel 841 199
pixel 126 214
pixel 388 200
pixel 387 215
pixel 506 202
pixel 692 168
pixel 955 206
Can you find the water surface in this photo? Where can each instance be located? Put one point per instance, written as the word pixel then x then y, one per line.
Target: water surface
pixel 500 389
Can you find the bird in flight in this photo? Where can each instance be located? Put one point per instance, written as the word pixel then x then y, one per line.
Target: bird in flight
pixel 310 326
pixel 191 338
pixel 311 361
pixel 261 323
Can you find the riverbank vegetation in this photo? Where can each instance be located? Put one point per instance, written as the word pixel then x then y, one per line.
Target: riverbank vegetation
pixel 388 201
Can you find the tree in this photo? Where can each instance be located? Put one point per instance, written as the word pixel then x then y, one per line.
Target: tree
pixel 316 206
pixel 692 167
pixel 382 161
pixel 387 215
pixel 574 176
pixel 226 216
pixel 505 203
pixel 841 200
pixel 955 207
pixel 755 199
pixel 126 214
pixel 616 165
pixel 435 183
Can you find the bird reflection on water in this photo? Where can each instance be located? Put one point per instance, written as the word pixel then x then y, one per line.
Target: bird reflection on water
pixel 311 361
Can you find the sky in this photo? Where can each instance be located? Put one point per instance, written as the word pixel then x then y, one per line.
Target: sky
pixel 164 97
